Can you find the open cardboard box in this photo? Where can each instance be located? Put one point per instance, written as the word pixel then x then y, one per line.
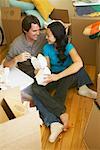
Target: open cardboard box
pixel 19 130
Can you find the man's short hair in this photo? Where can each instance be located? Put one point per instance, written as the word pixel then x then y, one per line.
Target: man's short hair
pixel 27 21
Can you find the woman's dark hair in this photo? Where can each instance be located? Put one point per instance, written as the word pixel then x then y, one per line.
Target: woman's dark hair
pixel 27 21
pixel 59 32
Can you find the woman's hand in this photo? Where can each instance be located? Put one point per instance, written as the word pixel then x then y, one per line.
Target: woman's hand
pixel 51 78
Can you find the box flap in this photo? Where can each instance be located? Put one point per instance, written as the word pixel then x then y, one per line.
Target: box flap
pixel 22 133
pixel 13 107
pixel 11 93
pixel 3 116
pixel 11 103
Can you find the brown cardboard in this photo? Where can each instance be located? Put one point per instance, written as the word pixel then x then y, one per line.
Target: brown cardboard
pixel 60 14
pixel 3 116
pixel 13 107
pixel 11 20
pixel 97 56
pixel 98 89
pixel 86 47
pixel 22 133
pixel 7 110
pixel 92 131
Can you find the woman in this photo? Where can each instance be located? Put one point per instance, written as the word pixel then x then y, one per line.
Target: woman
pixel 67 71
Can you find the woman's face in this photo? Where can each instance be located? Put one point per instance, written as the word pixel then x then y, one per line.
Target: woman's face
pixel 50 37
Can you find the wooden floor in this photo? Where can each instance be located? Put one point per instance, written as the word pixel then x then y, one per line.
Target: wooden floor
pixel 78 108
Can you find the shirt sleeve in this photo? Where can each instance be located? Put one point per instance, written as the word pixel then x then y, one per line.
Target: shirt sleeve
pixel 69 47
pixel 46 50
pixel 13 51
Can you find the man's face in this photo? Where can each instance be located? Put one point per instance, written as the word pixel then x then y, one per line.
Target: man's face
pixel 33 32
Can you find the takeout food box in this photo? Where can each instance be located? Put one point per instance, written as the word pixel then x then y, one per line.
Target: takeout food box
pixel 19 129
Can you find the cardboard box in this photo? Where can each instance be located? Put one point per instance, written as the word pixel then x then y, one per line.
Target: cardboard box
pixel 21 133
pixel 97 56
pixel 11 20
pixel 60 14
pixel 86 47
pixel 92 131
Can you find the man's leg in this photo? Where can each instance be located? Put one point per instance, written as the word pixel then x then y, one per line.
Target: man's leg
pixel 50 120
pixel 47 116
pixel 48 101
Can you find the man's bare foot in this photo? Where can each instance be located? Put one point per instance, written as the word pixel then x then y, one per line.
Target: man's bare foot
pixel 64 119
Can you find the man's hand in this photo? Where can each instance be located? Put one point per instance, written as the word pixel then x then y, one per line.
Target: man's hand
pixel 23 57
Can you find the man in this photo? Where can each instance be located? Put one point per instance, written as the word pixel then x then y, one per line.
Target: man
pixel 28 44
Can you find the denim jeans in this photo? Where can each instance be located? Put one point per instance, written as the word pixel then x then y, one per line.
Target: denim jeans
pixel 47 117
pixel 55 103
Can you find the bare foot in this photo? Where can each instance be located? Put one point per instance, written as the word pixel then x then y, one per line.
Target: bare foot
pixel 64 119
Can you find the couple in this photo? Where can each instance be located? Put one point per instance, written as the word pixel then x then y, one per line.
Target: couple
pixel 64 62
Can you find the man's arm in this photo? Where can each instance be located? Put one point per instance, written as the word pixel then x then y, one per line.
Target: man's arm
pixel 20 58
pixel 10 63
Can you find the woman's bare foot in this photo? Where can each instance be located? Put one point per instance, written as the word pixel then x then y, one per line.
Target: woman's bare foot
pixel 64 119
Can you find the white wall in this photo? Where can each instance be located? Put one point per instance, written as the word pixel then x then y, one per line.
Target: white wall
pixel 63 4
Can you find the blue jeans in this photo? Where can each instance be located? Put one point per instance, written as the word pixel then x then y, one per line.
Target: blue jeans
pixel 46 116
pixel 56 103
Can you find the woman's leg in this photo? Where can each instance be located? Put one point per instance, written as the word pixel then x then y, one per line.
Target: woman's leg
pixel 85 91
pixel 83 80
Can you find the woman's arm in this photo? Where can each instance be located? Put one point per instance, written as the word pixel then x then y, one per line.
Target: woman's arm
pixel 75 67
